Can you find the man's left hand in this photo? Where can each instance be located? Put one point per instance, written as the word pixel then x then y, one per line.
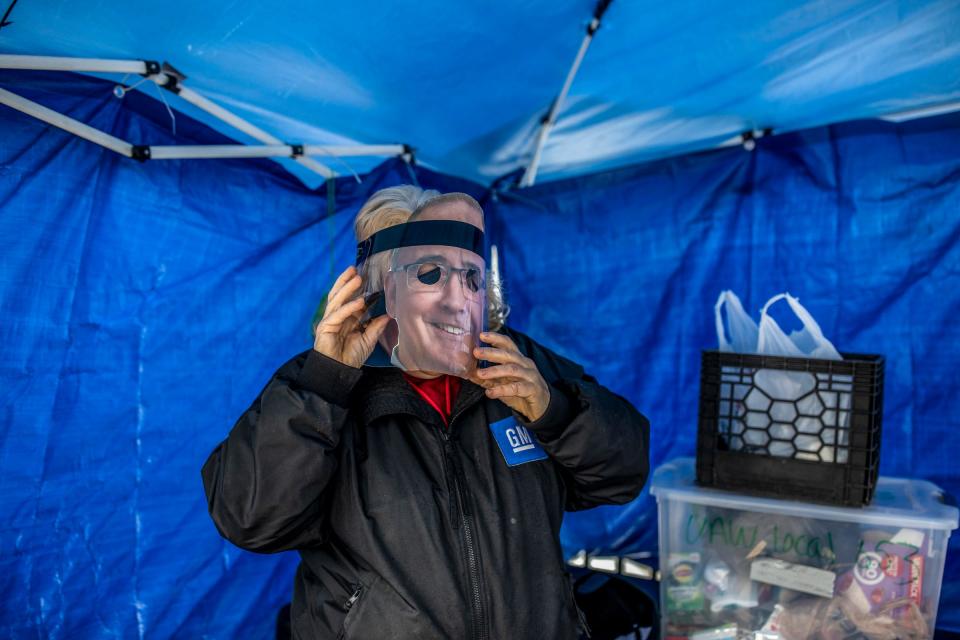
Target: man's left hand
pixel 514 380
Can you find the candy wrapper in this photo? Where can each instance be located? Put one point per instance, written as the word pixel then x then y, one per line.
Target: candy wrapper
pixel 888 574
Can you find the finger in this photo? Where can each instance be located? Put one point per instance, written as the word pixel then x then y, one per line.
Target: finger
pixel 500 356
pixel 353 321
pixel 374 328
pixel 352 309
pixel 350 323
pixel 499 340
pixel 336 318
pixel 345 293
pixel 518 389
pixel 511 371
pixel 363 342
pixel 481 382
pixel 341 280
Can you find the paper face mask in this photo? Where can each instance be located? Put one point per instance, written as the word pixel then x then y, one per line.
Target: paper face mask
pixel 433 286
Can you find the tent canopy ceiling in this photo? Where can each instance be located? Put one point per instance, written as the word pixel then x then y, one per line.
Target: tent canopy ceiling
pixel 466 84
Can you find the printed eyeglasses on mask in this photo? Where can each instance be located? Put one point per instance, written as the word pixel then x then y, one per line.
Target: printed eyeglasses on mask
pixel 433 276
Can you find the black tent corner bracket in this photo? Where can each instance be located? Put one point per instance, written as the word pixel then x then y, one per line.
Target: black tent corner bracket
pixel 4 22
pixel 152 67
pixel 172 84
pixel 598 12
pixel 749 138
pixel 173 77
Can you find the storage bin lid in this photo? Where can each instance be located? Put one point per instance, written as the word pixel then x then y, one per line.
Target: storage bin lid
pixel 896 501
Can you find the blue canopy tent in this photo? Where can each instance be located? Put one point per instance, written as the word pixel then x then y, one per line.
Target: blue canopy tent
pixel 144 304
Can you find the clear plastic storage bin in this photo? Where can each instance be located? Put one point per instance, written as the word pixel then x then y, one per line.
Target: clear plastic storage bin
pixel 734 566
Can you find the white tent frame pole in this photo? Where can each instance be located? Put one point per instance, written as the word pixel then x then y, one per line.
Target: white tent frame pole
pixel 174 152
pixel 272 147
pixel 922 112
pixel 211 151
pixel 748 139
pixel 89 65
pixel 238 123
pixel 66 123
pixel 344 151
pixel 530 175
pixel 215 151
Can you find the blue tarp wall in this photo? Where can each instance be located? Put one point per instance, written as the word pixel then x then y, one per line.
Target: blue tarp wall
pixel 143 306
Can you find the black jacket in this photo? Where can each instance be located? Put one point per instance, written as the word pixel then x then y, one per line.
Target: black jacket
pixel 406 529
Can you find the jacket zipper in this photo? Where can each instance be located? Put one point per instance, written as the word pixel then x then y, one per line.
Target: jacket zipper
pixel 459 482
pixel 585 630
pixel 352 600
pixel 584 627
pixel 347 607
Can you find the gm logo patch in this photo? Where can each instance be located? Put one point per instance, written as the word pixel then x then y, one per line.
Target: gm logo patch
pixel 517 444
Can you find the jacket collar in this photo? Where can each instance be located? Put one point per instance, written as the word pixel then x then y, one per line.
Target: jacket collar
pixel 383 392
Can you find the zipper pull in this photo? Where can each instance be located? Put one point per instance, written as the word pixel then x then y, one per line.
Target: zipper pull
pixel 353 598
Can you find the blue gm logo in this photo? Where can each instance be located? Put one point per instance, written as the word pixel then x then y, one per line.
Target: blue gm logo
pixel 519 439
pixel 517 444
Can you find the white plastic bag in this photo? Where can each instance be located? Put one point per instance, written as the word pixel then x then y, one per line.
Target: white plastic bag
pixel 808 342
pixel 809 421
pixel 743 330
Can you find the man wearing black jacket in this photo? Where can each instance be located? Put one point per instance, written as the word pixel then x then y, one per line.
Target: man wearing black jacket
pixel 424 506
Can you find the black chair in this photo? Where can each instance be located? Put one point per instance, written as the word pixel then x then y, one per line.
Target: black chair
pixel 284 632
pixel 616 607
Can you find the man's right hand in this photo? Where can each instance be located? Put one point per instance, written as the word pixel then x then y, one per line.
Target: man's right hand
pixel 339 335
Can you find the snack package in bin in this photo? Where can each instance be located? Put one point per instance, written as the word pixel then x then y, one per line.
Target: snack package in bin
pixel 685 583
pixel 888 575
pixel 880 597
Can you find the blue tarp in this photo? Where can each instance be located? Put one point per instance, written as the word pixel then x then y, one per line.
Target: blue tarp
pixel 143 306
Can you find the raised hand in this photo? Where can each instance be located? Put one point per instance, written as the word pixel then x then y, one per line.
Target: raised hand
pixel 515 381
pixel 339 334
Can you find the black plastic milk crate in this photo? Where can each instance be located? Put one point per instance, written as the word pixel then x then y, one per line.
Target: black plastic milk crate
pixel 798 428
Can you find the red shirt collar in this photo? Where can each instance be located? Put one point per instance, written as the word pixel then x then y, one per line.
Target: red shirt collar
pixel 440 392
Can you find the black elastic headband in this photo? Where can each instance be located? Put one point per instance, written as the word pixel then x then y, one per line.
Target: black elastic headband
pixel 447 233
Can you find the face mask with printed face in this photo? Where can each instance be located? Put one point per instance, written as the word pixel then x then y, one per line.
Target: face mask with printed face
pixel 432 284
